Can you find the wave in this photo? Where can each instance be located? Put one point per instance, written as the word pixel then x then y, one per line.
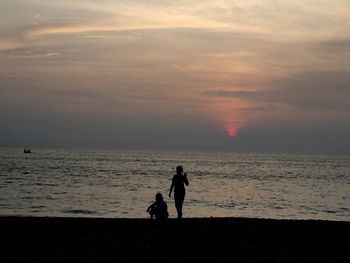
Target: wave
pixel 78 211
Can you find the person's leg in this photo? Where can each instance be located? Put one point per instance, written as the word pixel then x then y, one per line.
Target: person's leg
pixel 151 212
pixel 178 205
pixel 179 199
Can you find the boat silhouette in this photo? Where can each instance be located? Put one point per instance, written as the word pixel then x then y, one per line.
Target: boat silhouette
pixel 27 149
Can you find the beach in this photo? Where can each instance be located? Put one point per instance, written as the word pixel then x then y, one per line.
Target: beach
pixel 58 239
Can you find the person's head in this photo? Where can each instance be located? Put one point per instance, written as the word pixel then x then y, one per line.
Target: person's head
pixel 159 197
pixel 179 169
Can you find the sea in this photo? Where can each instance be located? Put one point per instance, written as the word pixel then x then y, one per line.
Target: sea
pixel 123 183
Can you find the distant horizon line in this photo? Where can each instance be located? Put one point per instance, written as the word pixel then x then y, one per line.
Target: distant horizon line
pixel 194 149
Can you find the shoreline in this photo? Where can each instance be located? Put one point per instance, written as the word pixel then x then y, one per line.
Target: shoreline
pixel 83 218
pixel 218 239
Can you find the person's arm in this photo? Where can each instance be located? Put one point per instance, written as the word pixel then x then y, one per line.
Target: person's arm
pixel 171 187
pixel 149 208
pixel 185 179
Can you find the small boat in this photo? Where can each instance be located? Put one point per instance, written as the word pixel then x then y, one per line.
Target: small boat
pixel 27 150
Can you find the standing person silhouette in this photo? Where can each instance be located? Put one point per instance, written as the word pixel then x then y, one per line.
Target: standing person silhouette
pixel 178 183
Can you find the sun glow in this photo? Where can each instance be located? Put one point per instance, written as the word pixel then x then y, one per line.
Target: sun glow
pixel 226 113
pixel 231 132
pixel 232 128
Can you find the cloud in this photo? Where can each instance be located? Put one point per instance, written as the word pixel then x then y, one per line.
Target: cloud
pixel 24 52
pixel 337 49
pixel 109 25
pixel 264 108
pixel 339 43
pixel 327 90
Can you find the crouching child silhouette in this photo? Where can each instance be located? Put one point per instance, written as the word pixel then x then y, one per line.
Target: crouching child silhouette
pixel 159 208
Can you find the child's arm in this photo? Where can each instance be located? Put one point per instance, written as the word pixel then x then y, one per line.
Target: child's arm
pixel 149 208
pixel 186 181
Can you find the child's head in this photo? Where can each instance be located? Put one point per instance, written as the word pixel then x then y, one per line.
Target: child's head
pixel 159 197
pixel 179 169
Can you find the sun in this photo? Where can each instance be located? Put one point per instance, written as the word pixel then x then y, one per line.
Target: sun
pixel 231 132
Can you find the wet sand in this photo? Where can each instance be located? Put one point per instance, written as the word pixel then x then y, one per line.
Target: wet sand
pixel 33 239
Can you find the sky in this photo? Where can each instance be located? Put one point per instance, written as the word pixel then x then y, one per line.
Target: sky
pixel 261 76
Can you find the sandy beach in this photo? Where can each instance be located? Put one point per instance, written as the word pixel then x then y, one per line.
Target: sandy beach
pixel 34 239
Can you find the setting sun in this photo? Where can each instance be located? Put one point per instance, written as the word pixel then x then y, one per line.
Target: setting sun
pixel 231 132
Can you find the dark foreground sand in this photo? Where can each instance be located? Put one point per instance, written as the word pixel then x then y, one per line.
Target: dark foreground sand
pixel 26 239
